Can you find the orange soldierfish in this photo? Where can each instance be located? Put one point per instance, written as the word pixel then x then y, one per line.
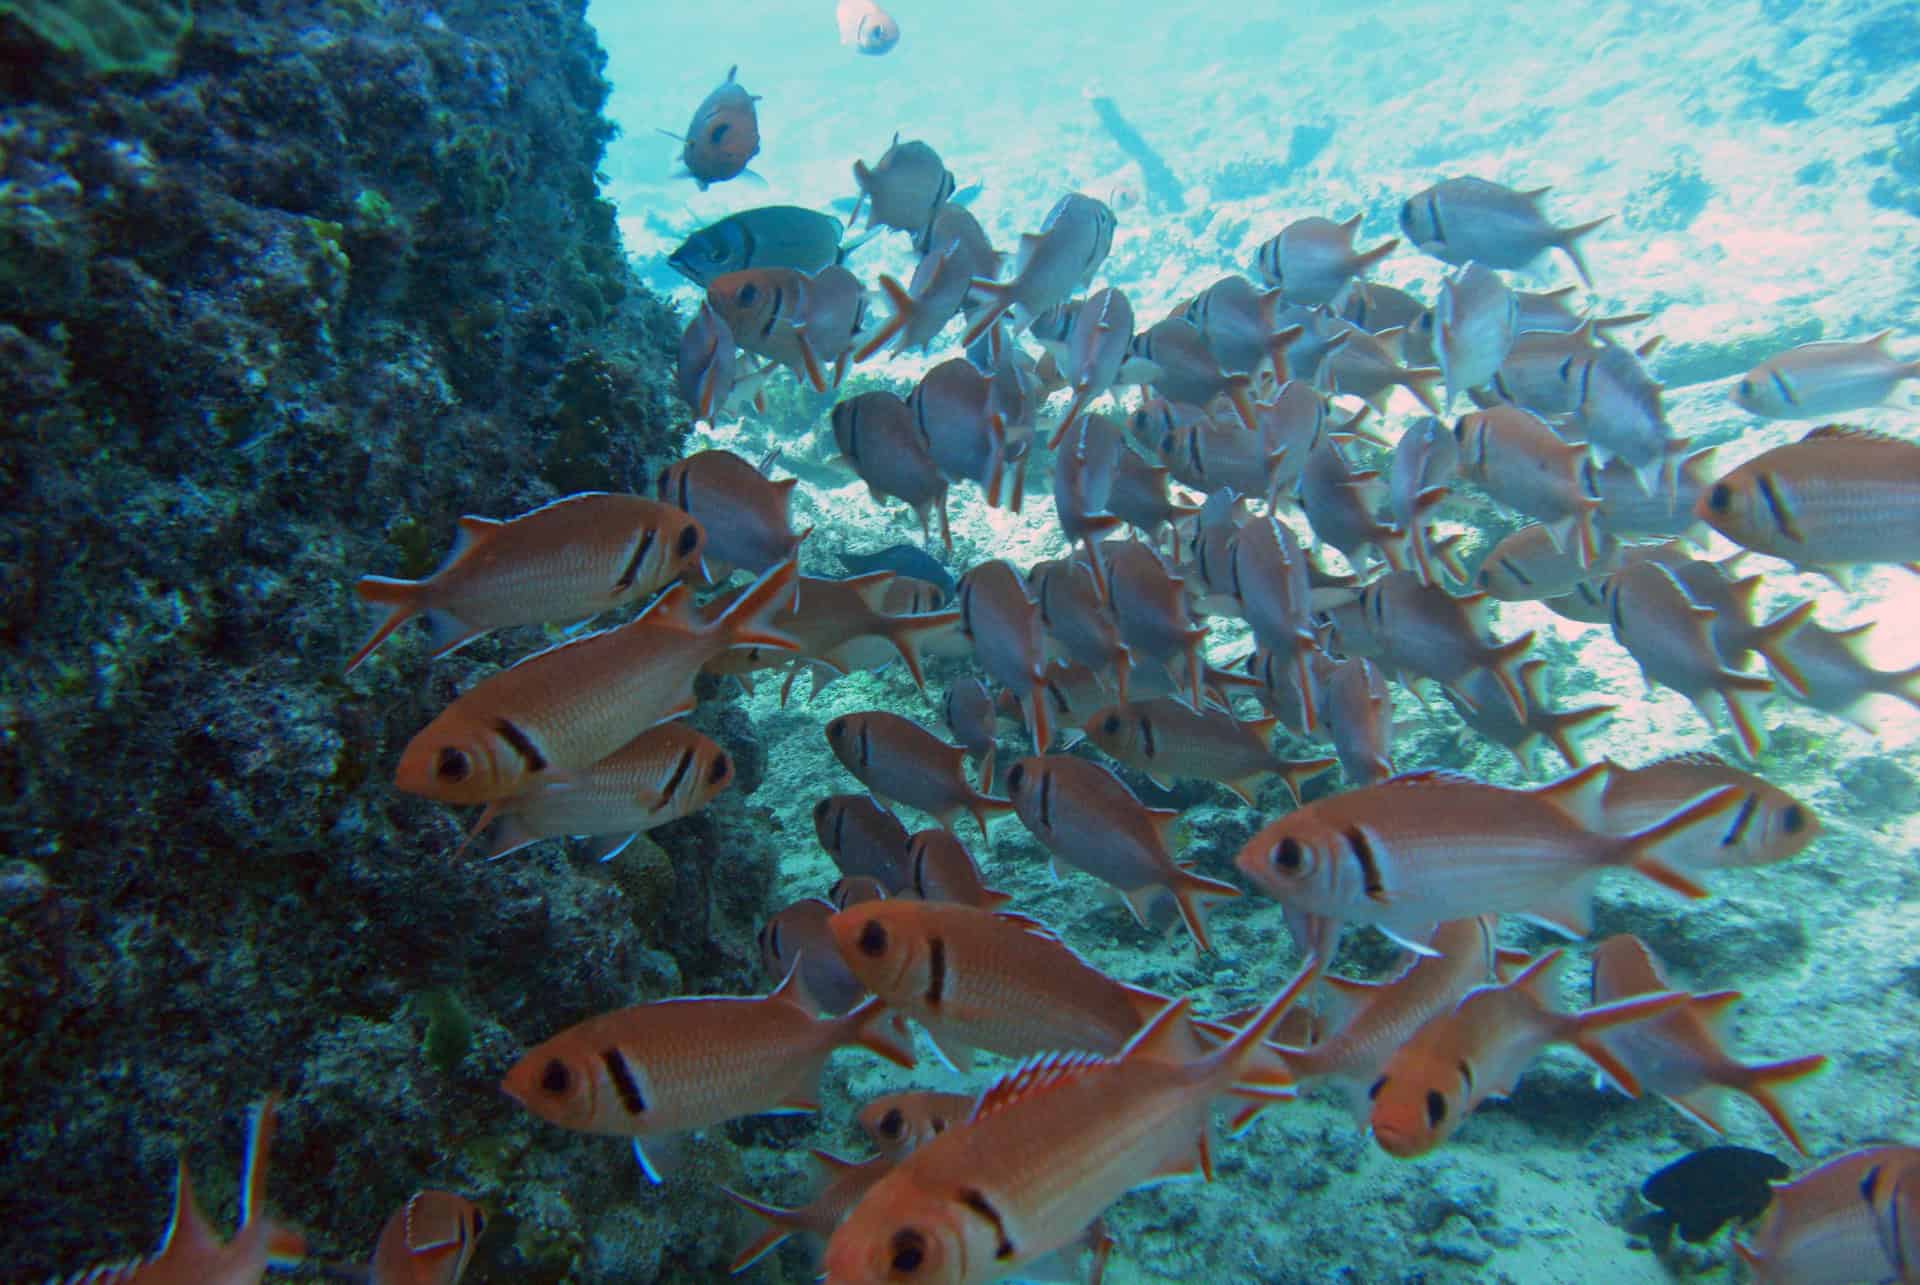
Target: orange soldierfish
pixel 1087 817
pixel 745 512
pixel 941 869
pixel 565 561
pixel 1824 378
pixel 966 436
pixel 1828 669
pixel 845 1182
pixel 898 759
pixel 863 838
pixel 663 774
pixel 1063 256
pixel 1839 497
pixel 829 621
pixel 192 1254
pixel 1074 615
pixel 898 1123
pixel 1432 846
pixel 1165 738
pixel 1313 259
pixel 904 189
pixel 1851 1219
pixel 428 1241
pixel 1478 1049
pixel 1483 707
pixel 1150 607
pixel 723 136
pixel 1520 461
pixel 994 981
pixel 566 708
pixel 856 890
pixel 1678 1054
pixel 1048 1148
pixel 1096 345
pixel 680 1064
pixel 1420 629
pixel 1769 825
pixel 707 361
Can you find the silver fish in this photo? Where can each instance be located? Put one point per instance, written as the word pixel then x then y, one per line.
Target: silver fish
pixel 904 189
pixel 1463 220
pixel 964 435
pixel 1618 408
pixel 1825 378
pixel 1069 248
pixel 1312 258
pixel 771 236
pixel 1474 323
pixel 1356 707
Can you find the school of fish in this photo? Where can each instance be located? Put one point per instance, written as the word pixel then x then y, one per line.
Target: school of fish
pixel 1202 465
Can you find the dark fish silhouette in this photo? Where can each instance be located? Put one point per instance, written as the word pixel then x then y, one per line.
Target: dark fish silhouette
pixel 1701 1193
pixel 902 559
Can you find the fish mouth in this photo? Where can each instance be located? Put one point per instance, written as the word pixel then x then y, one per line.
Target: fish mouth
pixel 686 269
pixel 1400 1145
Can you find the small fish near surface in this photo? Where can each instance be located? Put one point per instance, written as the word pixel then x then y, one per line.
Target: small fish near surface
pixel 1700 1193
pixel 770 236
pixel 1465 220
pixel 430 1240
pixel 680 1064
pixel 1824 378
pixel 562 562
pixel 192 1253
pixel 871 30
pixel 723 136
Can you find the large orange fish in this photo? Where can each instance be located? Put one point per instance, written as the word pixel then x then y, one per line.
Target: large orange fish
pixel 1427 847
pixel 1087 817
pixel 900 760
pixel 565 561
pixel 843 1183
pixel 192 1253
pixel 723 136
pixel 1854 1218
pixel 1048 1148
pixel 1678 1054
pixel 663 774
pixel 566 708
pixel 679 1064
pixel 428 1241
pixel 1769 825
pixel 1839 497
pixel 1478 1049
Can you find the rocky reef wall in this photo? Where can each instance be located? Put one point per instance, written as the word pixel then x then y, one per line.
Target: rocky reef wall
pixel 285 287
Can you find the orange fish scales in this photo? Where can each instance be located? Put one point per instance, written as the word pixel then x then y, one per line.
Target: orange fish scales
pixel 570 706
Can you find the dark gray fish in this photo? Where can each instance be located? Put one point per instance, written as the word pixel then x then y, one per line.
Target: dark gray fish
pixel 1701 1193
pixel 771 236
pixel 902 559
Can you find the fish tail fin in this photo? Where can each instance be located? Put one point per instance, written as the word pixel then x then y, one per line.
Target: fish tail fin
pixel 1277 344
pixel 1420 381
pixel 1500 667
pixel 285 1247
pixel 1758 1083
pixel 1769 641
pixel 1568 239
pixel 1364 261
pixel 903 310
pixel 1297 772
pixel 1196 896
pixel 983 808
pixel 1646 849
pixel 999 298
pixel 1081 398
pixel 402 600
pixel 1565 730
pixel 781 1224
pixel 1580 1028
pixel 1039 720
pixel 1237 390
pixel 748 622
pixel 904 633
pixel 1243 1062
pixel 869 1024
pixel 1743 694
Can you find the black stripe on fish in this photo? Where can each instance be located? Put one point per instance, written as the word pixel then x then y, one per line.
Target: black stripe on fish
pixel 747 245
pixel 629 576
pixel 977 1201
pixel 966 609
pixel 522 745
pixel 1046 801
pixel 684 472
pixel 773 938
pixel 920 872
pixel 1781 518
pixel 866 747
pixel 623 1082
pixel 1516 572
pixel 853 431
pixel 839 827
pixel 936 971
pixel 1784 388
pixel 1433 216
pixel 1362 848
pixel 773 313
pixel 1059 698
pixel 679 773
pixel 1738 829
pixel 1146 736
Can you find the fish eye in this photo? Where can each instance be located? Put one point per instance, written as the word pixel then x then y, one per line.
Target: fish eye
pixel 1746 388
pixel 453 765
pixel 1015 775
pixel 892 1123
pixel 1289 855
pixel 720 770
pixel 836 729
pixel 1373 1090
pixel 1792 818
pixel 1436 1109
pixel 938 1123
pixel 1112 725
pixel 909 1251
pixel 689 541
pixel 747 294
pixel 1721 499
pixel 556 1079
pixel 873 939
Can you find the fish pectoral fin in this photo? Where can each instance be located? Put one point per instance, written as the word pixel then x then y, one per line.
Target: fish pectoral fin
pixel 606 847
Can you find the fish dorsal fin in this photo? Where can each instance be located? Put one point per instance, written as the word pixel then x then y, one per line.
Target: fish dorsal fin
pixel 1027 922
pixel 1537 978
pixel 1163 821
pixel 1041 1075
pixel 1168 1037
pixel 189 1239
pixel 1851 432
pixel 1431 776
pixel 674 607
pixel 1579 794
pixel 1689 758
pixel 471 532
pixel 432 1222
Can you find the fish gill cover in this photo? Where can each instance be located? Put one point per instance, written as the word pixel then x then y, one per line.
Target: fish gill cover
pixel 289 289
